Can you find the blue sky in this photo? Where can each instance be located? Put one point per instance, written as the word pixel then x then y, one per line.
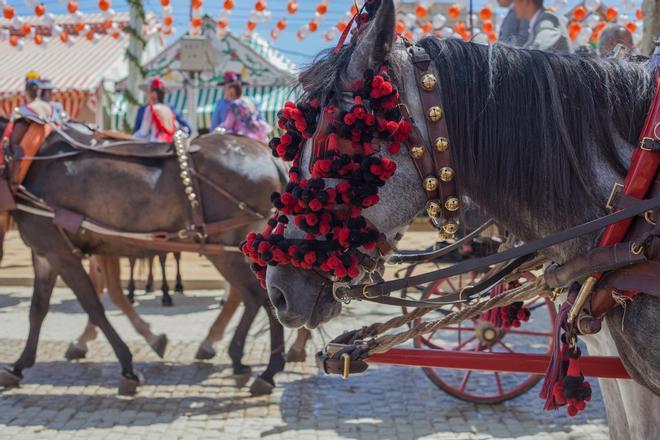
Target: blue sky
pixel 297 51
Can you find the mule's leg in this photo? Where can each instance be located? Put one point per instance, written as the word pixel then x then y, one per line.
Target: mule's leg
pixel 149 285
pixel 112 272
pixel 78 348
pixel 131 281
pixel 217 330
pixel 167 299
pixel 265 383
pixel 237 346
pixel 178 287
pixel 72 272
pixel 44 282
pixel 296 352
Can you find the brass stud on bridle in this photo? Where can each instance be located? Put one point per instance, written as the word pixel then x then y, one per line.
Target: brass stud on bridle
pixel 430 183
pixel 446 174
pixel 450 228
pixel 452 204
pixel 435 113
pixel 441 144
pixel 416 152
pixel 428 81
pixel 433 208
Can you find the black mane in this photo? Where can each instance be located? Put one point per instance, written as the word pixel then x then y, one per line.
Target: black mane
pixel 527 128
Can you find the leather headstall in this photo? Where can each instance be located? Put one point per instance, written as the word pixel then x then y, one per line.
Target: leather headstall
pixel 433 158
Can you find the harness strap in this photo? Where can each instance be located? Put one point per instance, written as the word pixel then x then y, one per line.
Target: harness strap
pixel 32 140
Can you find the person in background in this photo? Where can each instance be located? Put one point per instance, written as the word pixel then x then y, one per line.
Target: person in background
pixel 46 89
pixel 513 31
pixel 547 31
pixel 157 122
pixel 181 123
pixel 34 105
pixel 238 114
pixel 612 35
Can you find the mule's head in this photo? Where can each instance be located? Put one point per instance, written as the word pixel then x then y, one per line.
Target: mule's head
pixel 305 297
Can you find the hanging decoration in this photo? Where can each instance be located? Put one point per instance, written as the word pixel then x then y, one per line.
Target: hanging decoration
pixel 196 16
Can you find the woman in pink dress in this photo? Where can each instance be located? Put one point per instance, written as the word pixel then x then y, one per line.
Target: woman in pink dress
pixel 241 114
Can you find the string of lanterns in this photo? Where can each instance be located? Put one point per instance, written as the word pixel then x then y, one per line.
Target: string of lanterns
pixel 168 20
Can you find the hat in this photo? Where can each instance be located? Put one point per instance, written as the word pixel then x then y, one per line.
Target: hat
pixel 157 84
pixel 231 77
pixel 32 75
pixel 46 84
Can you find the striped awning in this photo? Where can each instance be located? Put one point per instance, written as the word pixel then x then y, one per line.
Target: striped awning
pixel 270 99
pixel 72 101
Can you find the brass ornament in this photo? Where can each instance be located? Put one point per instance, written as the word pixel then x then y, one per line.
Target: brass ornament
pixel 416 152
pixel 184 174
pixel 428 81
pixel 433 208
pixel 187 181
pixel 446 174
pixel 452 204
pixel 450 228
pixel 435 113
pixel 441 144
pixel 430 183
pixel 192 196
pixel 188 190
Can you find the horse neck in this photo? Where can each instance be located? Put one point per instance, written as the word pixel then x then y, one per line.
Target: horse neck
pixel 531 149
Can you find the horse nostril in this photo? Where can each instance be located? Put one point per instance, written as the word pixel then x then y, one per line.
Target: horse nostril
pixel 278 299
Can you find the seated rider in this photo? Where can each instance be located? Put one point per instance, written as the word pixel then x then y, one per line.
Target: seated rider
pixel 34 105
pixel 47 95
pixel 238 114
pixel 157 121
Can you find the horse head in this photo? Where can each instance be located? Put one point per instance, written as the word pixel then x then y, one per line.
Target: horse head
pixel 545 133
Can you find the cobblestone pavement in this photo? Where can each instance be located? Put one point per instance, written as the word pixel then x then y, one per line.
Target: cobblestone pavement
pixel 182 399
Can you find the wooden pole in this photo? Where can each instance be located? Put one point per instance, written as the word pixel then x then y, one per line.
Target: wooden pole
pixel 651 11
pixel 135 47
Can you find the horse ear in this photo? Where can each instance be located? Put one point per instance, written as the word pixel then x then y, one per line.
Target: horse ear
pixel 375 42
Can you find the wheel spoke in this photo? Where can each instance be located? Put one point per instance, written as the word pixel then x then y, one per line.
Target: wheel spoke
pixel 464 343
pixel 465 380
pixel 506 347
pixel 499 383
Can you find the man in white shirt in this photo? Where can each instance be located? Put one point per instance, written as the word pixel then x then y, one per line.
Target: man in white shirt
pixel 513 31
pixel 547 31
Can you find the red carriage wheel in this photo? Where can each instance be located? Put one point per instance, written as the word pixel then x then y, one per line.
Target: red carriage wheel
pixel 533 336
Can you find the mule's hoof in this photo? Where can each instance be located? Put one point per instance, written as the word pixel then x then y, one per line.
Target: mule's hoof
pixel 128 386
pixel 261 387
pixel 75 351
pixel 242 379
pixel 159 344
pixel 205 351
pixel 131 299
pixel 296 355
pixel 8 379
pixel 167 301
pixel 178 289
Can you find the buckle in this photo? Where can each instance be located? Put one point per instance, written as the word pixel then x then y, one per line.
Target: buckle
pixel 610 199
pixel 336 286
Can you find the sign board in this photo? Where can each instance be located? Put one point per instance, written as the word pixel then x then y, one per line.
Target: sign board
pixel 196 54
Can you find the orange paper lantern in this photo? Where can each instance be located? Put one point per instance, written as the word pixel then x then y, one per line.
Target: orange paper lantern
pixel 400 27
pixel 579 13
pixel 260 6
pixel 354 10
pixel 107 24
pixel 421 11
pixel 574 27
pixel 164 3
pixel 79 26
pixel 90 35
pixel 486 13
pixel 487 26
pixel 196 22
pixel 8 12
pixel 427 27
pixel 38 39
pixel 39 10
pixel 611 13
pixel 292 8
pixel 454 11
pixel 196 4
pixel 104 5
pixel 223 23
pixel 168 20
pixel 64 36
pixel 281 24
pixel 313 26
pixel 492 36
pixel 631 26
pixel 72 7
pixel 251 25
pixel 460 27
pixel 321 8
pixel 341 26
pixel 116 34
pixel 13 40
pixel 228 4
pixel 466 35
pixel 26 28
pixel 639 15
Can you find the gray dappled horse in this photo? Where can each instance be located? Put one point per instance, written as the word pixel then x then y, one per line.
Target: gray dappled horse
pixel 537 141
pixel 143 195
